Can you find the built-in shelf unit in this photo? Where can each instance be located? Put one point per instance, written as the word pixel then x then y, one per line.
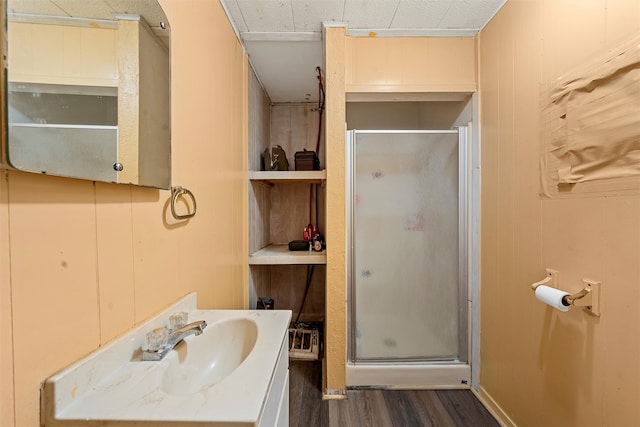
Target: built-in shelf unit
pixel 279 254
pixel 291 177
pixel 281 205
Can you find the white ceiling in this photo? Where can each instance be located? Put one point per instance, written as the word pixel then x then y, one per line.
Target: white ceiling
pixel 284 37
pixel 100 10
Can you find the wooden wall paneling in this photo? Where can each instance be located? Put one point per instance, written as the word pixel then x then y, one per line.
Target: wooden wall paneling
pixel 566 359
pixel 290 206
pixel 115 259
pixel 288 288
pixel 527 243
pixel 335 208
pixel 259 193
pixel 259 215
pixel 622 244
pixel 7 394
pixel 506 189
pixel 260 282
pixel 53 280
pixel 209 157
pixel 157 275
pixel 377 62
pixel 294 127
pixel 566 43
pixel 581 222
pixel 426 64
pixel 259 122
pixel 435 61
pixel 88 259
pixel 490 180
pixel 621 20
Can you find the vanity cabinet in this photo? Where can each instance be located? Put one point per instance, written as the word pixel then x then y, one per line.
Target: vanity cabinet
pixel 276 404
pixel 235 373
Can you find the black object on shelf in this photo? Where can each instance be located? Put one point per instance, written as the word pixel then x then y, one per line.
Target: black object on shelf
pixel 265 303
pixel 307 161
pixel 299 245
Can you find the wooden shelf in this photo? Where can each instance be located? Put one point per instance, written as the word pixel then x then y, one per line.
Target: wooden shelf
pixel 292 177
pixel 281 255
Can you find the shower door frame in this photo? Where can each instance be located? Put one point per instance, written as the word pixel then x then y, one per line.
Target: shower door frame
pixel 437 373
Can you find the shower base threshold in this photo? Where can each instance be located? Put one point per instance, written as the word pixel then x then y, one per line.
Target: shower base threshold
pixel 412 375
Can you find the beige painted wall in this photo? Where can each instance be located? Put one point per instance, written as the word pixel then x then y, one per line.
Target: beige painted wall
pixel 81 262
pixel 335 338
pixel 410 64
pixel 543 367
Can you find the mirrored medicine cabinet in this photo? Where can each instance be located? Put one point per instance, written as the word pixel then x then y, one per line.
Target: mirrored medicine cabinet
pixel 86 90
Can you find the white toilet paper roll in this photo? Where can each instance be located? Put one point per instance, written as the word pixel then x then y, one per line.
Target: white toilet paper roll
pixel 552 297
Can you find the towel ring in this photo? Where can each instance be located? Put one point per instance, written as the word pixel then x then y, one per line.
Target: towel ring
pixel 177 192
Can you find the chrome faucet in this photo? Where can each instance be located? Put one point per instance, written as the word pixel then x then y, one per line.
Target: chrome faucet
pixel 174 337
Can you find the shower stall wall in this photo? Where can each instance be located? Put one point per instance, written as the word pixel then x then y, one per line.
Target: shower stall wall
pixel 408 285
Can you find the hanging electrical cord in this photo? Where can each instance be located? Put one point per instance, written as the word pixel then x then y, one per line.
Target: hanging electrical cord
pixel 311 206
pixel 316 188
pixel 320 107
pixel 321 100
pixel 306 291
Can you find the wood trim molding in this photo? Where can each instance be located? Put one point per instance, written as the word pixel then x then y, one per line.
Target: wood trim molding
pixel 492 406
pixel 3 83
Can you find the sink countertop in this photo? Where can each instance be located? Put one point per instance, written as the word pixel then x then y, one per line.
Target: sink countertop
pixel 114 384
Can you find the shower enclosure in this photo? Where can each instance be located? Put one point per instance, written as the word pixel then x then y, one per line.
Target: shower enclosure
pixel 408 284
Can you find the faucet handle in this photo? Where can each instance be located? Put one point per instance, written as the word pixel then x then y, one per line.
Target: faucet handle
pixel 178 320
pixel 157 339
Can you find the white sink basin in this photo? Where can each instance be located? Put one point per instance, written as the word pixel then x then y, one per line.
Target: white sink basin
pixel 233 374
pixel 202 361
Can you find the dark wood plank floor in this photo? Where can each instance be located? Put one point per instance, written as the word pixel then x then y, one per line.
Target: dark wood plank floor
pixel 379 408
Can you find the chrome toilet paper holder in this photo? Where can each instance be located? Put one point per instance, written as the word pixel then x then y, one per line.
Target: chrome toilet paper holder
pixel 588 297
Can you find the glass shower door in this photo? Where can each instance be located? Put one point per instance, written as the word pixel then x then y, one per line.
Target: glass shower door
pixel 407 291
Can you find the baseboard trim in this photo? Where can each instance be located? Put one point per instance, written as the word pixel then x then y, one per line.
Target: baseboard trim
pixel 494 409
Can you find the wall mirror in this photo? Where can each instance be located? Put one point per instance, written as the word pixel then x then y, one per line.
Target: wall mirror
pixel 87 90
